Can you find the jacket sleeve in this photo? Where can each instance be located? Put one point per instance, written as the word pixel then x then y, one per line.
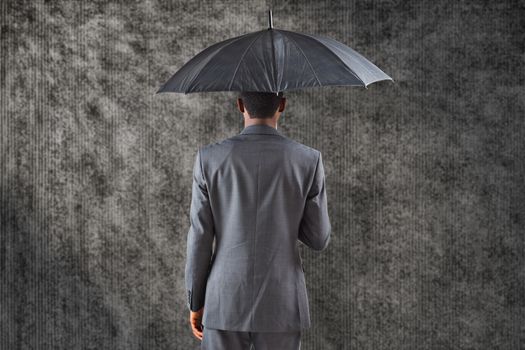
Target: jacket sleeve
pixel 200 239
pixel 315 228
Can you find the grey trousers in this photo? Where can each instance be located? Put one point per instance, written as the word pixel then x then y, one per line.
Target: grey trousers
pixel 218 339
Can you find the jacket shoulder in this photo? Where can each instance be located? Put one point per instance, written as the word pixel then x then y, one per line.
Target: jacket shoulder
pixel 223 147
pixel 215 149
pixel 308 155
pixel 307 149
pixel 215 144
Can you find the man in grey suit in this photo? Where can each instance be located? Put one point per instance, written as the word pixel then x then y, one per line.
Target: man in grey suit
pixel 254 197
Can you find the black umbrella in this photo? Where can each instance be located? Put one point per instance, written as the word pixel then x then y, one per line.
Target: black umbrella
pixel 273 60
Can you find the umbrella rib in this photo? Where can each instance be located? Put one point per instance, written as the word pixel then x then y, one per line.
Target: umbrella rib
pixel 215 54
pixel 242 57
pixel 306 58
pixel 338 58
pixel 274 61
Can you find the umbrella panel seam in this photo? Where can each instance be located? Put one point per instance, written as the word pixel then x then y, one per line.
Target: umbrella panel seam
pixel 337 56
pixel 242 57
pixel 306 58
pixel 274 67
pixel 215 54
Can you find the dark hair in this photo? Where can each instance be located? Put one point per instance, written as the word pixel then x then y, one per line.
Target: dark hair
pixel 260 104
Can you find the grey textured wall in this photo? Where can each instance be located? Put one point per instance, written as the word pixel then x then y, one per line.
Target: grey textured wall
pixel 425 177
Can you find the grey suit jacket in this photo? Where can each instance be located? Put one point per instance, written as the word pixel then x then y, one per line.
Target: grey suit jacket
pixel 257 194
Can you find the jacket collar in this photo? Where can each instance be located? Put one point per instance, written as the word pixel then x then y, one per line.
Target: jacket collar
pixel 260 129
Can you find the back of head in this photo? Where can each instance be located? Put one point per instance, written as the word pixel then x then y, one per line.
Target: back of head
pixel 261 104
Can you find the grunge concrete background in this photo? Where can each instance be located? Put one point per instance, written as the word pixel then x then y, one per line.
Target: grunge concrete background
pixel 425 176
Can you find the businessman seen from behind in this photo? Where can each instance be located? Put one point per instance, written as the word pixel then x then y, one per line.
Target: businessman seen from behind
pixel 255 196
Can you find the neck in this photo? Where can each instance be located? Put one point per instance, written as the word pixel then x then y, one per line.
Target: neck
pixel 259 121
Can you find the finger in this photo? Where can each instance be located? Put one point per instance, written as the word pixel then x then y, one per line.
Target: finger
pixel 199 330
pixel 196 328
pixel 197 334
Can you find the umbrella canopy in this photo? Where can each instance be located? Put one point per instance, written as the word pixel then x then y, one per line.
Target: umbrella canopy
pixel 273 60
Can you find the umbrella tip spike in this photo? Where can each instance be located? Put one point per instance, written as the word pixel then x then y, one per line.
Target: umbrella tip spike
pixel 270 24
